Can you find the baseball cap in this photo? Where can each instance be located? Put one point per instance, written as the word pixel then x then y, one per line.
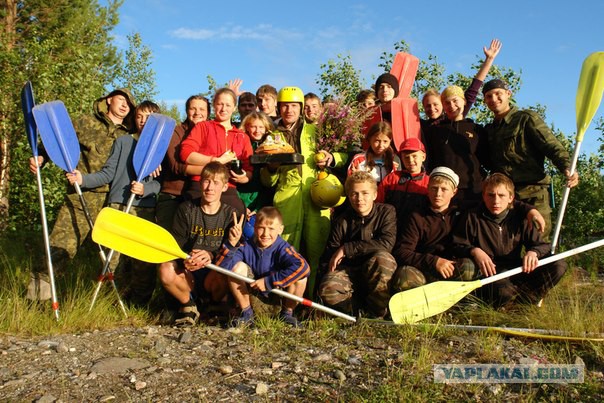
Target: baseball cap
pixel 412 144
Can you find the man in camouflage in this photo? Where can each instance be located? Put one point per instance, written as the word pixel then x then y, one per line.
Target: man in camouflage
pixel 112 117
pixel 519 141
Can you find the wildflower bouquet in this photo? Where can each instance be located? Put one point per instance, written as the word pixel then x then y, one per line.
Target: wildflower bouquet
pixel 339 126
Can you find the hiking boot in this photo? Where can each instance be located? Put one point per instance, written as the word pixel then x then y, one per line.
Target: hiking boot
pixel 290 319
pixel 246 318
pixel 38 288
pixel 187 315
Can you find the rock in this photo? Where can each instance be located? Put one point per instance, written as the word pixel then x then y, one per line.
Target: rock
pixel 140 385
pixel 118 365
pixel 261 388
pixel 62 348
pixel 339 375
pixel 160 346
pixel 48 398
pixel 225 369
pixel 354 360
pixel 277 364
pixel 48 344
pixel 579 361
pixel 322 357
pixel 185 337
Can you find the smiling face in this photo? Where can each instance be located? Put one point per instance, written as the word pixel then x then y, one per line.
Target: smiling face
pixel 224 105
pixel 498 101
pixel 255 129
pixel 454 108
pixel 212 188
pixel 312 109
pixel 197 111
pixel 413 160
pixel 432 106
pixel 497 198
pixel 267 231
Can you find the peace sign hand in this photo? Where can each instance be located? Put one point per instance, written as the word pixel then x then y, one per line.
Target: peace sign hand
pixel 236 230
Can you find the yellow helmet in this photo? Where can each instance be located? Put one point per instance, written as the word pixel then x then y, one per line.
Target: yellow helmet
pixel 291 94
pixel 327 192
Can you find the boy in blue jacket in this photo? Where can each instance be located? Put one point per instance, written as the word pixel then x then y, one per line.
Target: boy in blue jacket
pixel 136 278
pixel 272 261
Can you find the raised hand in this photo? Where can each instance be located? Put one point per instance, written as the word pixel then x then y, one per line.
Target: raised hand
pixel 236 230
pixel 235 85
pixel 493 49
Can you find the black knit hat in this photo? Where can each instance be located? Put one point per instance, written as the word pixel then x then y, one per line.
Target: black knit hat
pixel 493 84
pixel 388 79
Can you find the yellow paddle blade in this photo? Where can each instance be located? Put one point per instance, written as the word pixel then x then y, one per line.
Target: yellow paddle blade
pixel 422 302
pixel 135 237
pixel 589 92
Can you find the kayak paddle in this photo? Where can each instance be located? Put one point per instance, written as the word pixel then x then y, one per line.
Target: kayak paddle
pixel 422 302
pixel 27 104
pixel 589 96
pixel 61 144
pixel 404 68
pixel 146 241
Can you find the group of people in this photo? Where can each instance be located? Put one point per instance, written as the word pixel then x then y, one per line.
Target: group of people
pixel 461 202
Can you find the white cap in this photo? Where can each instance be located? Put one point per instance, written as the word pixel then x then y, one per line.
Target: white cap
pixel 447 173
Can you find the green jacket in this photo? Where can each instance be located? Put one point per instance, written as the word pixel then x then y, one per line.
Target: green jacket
pixel 96 134
pixel 519 144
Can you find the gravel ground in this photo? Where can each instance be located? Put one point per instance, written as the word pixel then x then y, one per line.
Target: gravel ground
pixel 210 363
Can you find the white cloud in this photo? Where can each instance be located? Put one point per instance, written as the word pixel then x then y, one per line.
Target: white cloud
pixel 262 32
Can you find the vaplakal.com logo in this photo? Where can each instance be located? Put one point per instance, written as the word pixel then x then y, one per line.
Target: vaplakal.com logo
pixel 514 373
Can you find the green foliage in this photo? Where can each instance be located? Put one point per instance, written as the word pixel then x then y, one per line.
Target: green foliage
pixel 171 110
pixel 65 50
pixel 340 79
pixel 136 74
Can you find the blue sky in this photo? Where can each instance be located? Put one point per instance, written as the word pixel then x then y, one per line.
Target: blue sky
pixel 284 43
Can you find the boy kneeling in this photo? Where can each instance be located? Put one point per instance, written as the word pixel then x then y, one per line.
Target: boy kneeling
pixel 359 251
pixel 424 243
pixel 201 226
pixel 272 261
pixel 494 235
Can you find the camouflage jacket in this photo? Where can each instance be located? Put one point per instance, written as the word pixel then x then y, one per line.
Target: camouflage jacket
pixel 96 134
pixel 519 144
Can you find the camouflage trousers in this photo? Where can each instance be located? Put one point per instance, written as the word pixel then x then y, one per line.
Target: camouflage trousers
pixel 408 277
pixel 71 229
pixel 539 197
pixel 135 279
pixel 365 286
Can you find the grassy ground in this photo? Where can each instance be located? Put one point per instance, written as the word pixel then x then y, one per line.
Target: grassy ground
pixel 404 355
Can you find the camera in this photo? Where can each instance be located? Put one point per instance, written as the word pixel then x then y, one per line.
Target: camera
pixel 235 166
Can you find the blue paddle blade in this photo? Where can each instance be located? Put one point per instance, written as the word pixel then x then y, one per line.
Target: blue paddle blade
pixel 27 104
pixel 58 135
pixel 152 144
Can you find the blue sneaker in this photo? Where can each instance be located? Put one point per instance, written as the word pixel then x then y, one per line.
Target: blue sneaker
pixel 246 318
pixel 290 319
